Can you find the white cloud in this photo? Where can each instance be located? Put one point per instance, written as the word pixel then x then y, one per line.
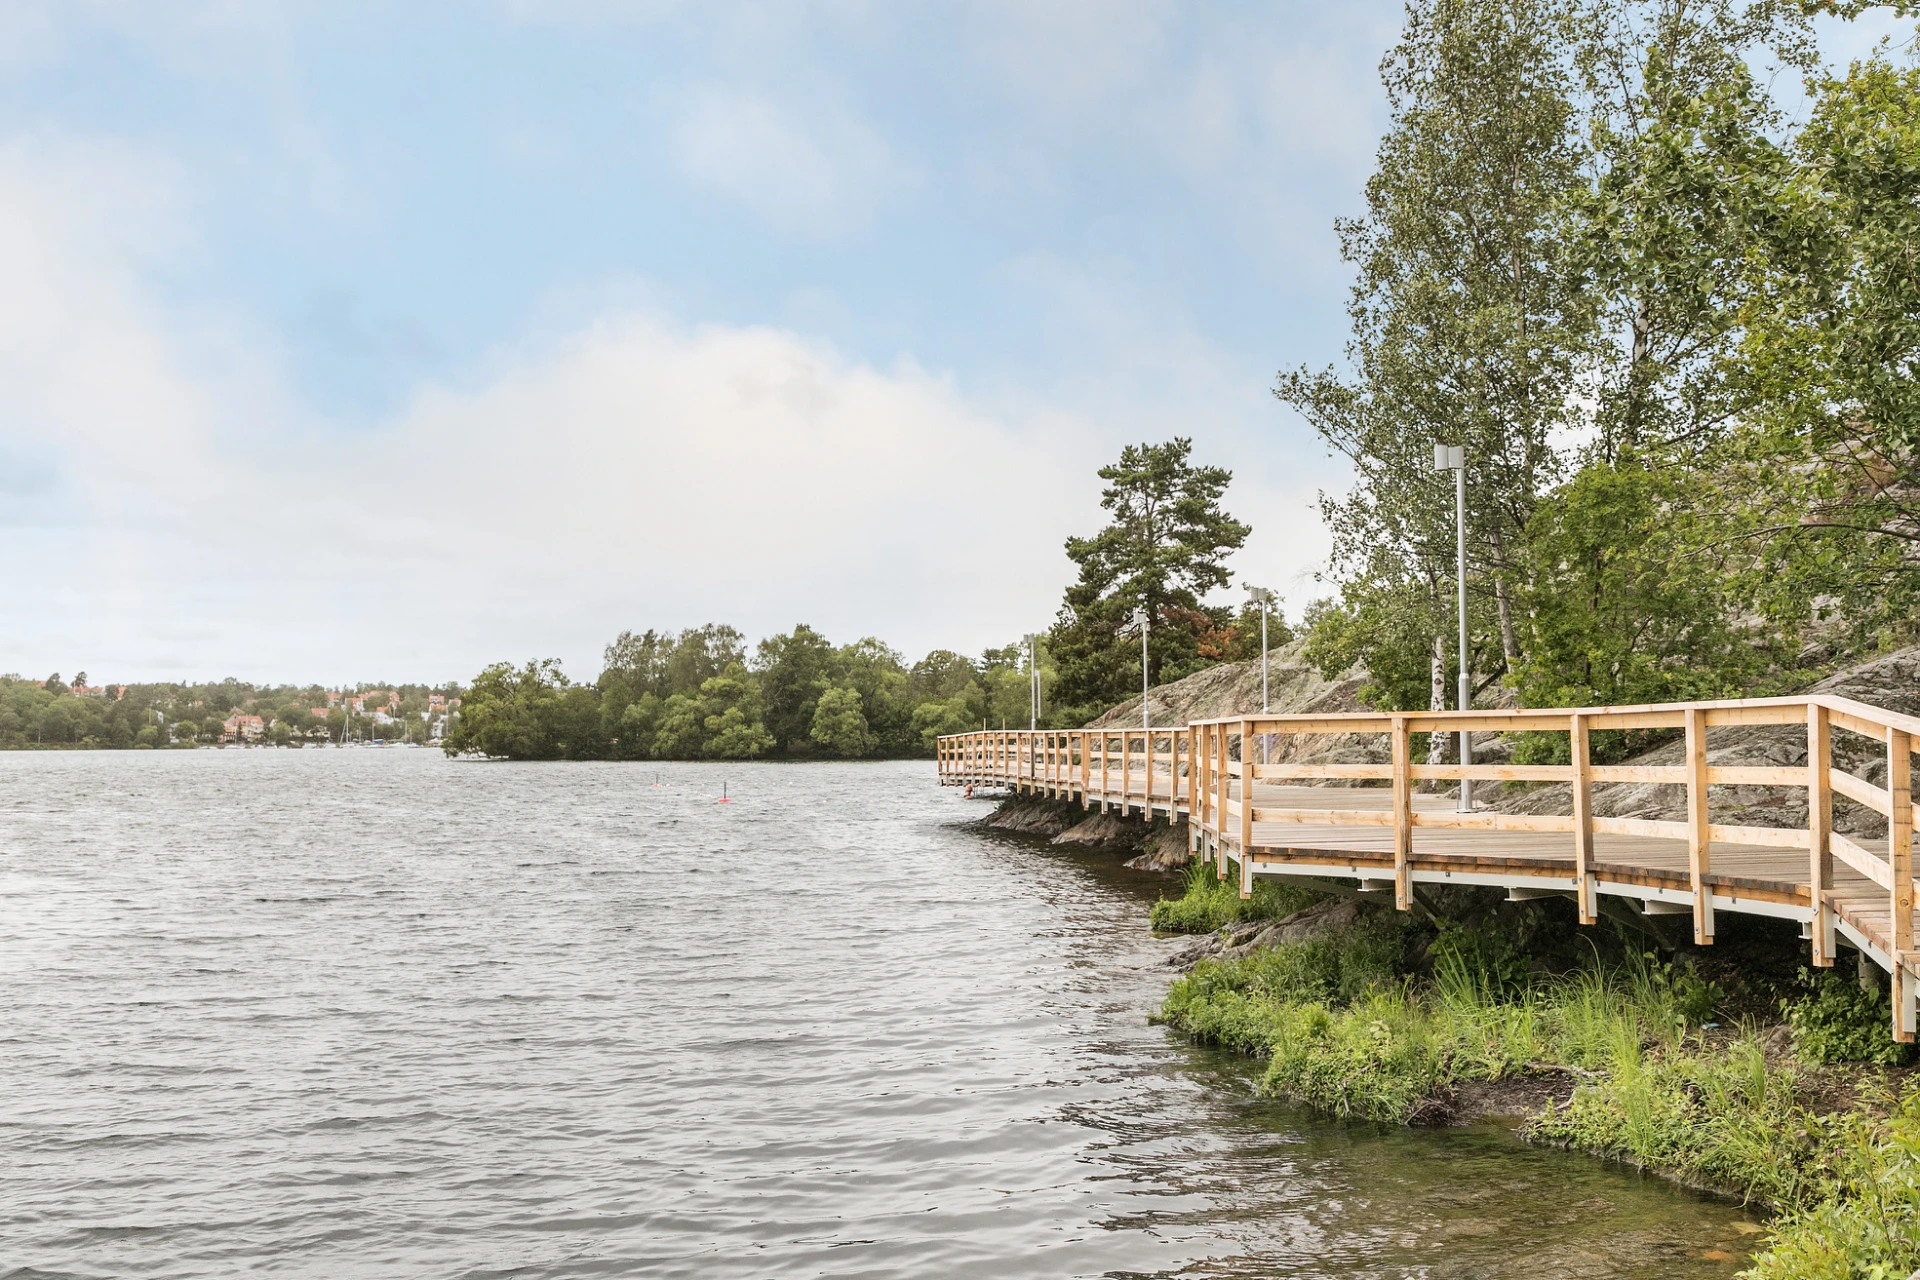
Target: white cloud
pixel 171 511
pixel 821 171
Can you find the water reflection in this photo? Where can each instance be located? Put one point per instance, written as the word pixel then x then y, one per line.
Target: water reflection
pixel 383 1014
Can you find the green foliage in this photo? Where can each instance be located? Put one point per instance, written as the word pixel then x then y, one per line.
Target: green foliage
pixel 514 713
pixel 694 696
pixel 1624 607
pixel 1829 462
pixel 1164 547
pixel 1867 1224
pixel 1210 902
pixel 1467 326
pixel 1720 1117
pixel 1837 1021
pixel 1676 335
pixel 839 726
pixel 1347 1030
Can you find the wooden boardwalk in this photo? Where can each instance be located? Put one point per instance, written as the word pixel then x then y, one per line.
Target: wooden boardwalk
pixel 1264 819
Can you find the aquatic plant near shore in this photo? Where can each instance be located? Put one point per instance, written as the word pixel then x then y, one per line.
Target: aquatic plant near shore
pixel 1210 902
pixel 1345 1032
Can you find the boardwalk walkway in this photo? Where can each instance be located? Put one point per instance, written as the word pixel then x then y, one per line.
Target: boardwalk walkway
pixel 1378 830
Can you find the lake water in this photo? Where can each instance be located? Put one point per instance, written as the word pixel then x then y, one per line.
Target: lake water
pixel 379 1013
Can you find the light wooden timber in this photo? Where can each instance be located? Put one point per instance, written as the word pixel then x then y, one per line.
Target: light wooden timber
pixel 1699 855
pixel 1900 868
pixel 1403 816
pixel 1579 750
pixel 1329 817
pixel 1246 814
pixel 1221 781
pixel 1861 791
pixel 1494 821
pixel 1279 772
pixel 1820 829
pixel 1675 774
pixel 1861 860
pixel 1646 828
pixel 1853 891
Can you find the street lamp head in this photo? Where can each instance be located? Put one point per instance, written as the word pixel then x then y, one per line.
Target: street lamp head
pixel 1261 595
pixel 1449 457
pixel 1139 617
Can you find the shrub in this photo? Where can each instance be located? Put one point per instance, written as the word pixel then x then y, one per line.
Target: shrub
pixel 1867 1225
pixel 1838 1022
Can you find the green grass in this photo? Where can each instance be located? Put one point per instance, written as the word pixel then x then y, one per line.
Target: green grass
pixel 1866 1225
pixel 1209 902
pixel 1344 1028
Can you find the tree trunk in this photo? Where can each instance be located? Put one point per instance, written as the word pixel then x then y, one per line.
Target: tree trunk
pixel 1509 647
pixel 1636 389
pixel 1437 742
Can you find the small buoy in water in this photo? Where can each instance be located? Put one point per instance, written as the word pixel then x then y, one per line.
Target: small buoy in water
pixel 723 795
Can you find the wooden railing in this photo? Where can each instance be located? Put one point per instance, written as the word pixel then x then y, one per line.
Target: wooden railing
pixel 1201 771
pixel 1112 766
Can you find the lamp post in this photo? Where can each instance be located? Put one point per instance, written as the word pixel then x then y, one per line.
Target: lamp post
pixel 1033 680
pixel 1454 458
pixel 1140 621
pixel 1264 598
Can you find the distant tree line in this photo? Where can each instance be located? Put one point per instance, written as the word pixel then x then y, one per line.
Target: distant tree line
pixel 701 694
pixel 50 714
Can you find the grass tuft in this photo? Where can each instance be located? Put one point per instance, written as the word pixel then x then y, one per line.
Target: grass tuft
pixel 1209 902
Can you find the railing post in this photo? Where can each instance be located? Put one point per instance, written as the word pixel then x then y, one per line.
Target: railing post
pixel 1173 801
pixel 1900 863
pixel 1402 815
pixel 1699 860
pixel 1202 792
pixel 1223 784
pixel 1173 773
pixel 1820 830
pixel 1105 783
pixel 1580 752
pixel 1246 811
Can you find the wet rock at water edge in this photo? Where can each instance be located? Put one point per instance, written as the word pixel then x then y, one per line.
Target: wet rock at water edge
pixel 1243 937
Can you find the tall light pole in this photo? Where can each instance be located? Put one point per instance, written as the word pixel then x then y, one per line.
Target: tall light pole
pixel 1146 686
pixel 1262 597
pixel 1033 680
pixel 1454 458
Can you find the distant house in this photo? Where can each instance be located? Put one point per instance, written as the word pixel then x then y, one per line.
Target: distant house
pixel 244 728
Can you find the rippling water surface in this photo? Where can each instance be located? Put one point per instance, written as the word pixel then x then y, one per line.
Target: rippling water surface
pixel 383 1014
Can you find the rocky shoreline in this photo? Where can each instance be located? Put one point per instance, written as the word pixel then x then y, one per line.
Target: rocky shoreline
pixel 1152 846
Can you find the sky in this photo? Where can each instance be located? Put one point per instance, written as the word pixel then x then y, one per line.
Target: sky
pixel 348 341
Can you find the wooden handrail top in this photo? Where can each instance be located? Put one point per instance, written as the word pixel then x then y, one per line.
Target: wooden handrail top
pixel 1523 719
